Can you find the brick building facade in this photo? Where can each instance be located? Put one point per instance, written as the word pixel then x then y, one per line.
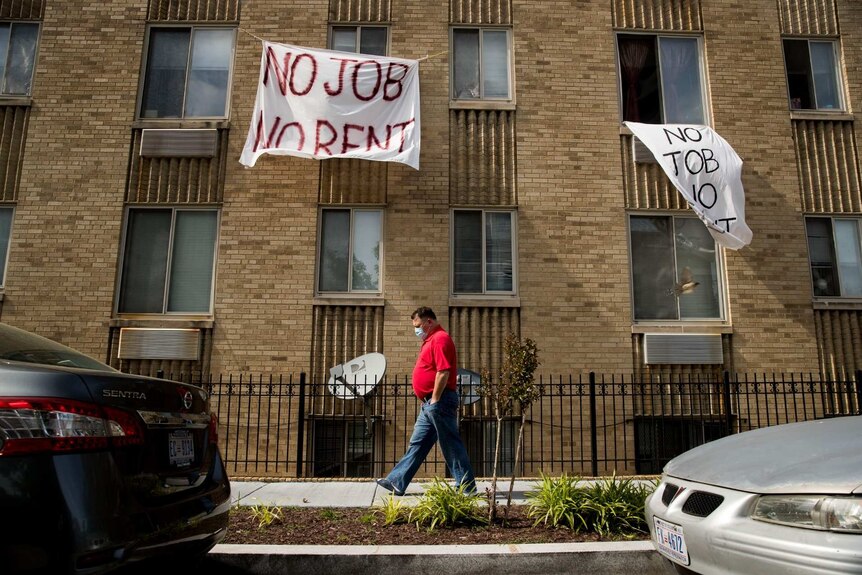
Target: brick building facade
pixel 536 158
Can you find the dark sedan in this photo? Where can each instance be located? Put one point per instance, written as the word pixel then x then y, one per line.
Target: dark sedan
pixel 101 469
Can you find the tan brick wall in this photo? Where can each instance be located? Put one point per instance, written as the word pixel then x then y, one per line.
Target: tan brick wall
pixel 574 284
pixel 60 276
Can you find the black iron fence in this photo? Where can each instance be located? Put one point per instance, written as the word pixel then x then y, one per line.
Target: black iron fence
pixel 586 425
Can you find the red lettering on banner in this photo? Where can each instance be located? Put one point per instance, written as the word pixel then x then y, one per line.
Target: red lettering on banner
pixel 403 126
pixel 299 129
pixel 345 142
pixel 390 81
pixel 356 80
pixel 281 74
pixel 320 145
pixel 341 70
pixel 267 143
pixel 373 138
pixel 310 80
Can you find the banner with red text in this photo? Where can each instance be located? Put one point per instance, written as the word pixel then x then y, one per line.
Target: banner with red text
pixel 706 171
pixel 325 104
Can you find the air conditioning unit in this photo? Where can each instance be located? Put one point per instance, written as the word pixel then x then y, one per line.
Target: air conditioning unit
pixel 159 343
pixel 641 153
pixel 179 143
pixel 682 348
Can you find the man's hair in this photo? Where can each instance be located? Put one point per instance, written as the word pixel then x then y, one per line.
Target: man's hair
pixel 424 313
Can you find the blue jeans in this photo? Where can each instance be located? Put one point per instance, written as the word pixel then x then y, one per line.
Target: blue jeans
pixel 436 422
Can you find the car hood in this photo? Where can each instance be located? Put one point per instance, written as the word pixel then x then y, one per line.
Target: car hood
pixel 821 456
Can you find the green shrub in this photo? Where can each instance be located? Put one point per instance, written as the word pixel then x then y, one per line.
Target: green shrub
pixel 443 505
pixel 610 507
pixel 266 515
pixel 393 511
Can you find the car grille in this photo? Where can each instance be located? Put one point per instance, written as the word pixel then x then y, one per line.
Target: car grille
pixel 701 503
pixel 669 493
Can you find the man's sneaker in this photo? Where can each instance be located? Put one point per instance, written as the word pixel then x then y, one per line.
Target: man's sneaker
pixel 387 485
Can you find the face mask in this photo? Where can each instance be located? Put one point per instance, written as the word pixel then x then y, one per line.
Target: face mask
pixel 420 333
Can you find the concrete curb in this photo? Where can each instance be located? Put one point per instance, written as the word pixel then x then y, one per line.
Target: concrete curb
pixel 602 558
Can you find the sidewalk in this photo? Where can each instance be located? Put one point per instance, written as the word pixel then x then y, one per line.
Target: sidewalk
pixel 603 558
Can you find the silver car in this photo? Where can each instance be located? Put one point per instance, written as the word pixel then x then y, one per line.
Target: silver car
pixel 783 500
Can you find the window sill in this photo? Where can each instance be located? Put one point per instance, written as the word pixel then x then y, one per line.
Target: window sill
pixel 349 299
pixel 482 105
pixel 162 322
pixel 180 124
pixel 831 115
pixel 837 304
pixel 697 327
pixel 484 301
pixel 13 101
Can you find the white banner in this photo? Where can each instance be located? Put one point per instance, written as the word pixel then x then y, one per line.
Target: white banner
pixel 326 104
pixel 706 171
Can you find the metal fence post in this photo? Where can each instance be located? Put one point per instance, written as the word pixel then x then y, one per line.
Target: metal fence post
pixel 594 448
pixel 728 407
pixel 859 392
pixel 300 432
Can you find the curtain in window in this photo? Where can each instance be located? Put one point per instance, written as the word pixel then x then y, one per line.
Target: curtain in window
pixel 468 252
pixel 681 86
pixel 190 289
pixel 344 38
pixel 849 257
pixel 166 73
pixel 498 251
pixel 366 250
pixel 145 261
pixel 653 270
pixel 21 59
pixel 466 63
pixel 633 57
pixel 5 231
pixel 495 62
pixel 695 251
pixel 206 96
pixel 334 250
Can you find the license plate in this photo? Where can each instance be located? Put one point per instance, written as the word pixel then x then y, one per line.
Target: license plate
pixel 181 448
pixel 670 541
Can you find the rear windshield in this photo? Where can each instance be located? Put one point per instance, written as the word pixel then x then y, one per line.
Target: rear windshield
pixel 20 345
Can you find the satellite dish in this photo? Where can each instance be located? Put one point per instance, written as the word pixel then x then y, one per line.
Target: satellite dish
pixel 357 377
pixel 468 385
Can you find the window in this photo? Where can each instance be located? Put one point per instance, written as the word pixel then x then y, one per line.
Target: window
pixel 661 79
pixel 480 64
pixel 17 57
pixel 675 269
pixel 187 73
pixel 168 262
pixel 480 438
pixel 350 250
pixel 342 449
pixel 812 74
pixel 483 243
pixel 836 257
pixel 362 39
pixel 5 233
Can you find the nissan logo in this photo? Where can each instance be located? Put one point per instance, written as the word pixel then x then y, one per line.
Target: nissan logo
pixel 187 400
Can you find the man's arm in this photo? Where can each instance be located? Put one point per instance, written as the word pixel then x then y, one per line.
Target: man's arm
pixel 440 381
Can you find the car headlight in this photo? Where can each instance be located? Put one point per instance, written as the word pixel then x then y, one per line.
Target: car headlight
pixel 843 514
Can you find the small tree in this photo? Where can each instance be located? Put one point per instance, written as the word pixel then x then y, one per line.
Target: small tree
pixel 515 388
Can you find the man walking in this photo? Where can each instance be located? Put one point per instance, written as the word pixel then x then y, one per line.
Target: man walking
pixel 435 381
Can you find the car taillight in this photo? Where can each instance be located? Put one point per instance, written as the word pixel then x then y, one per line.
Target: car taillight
pixel 213 431
pixel 63 425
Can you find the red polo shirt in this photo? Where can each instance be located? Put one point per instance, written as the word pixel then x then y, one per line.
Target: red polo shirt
pixel 437 354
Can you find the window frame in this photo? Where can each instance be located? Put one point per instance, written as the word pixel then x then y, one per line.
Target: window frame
pixel 485 294
pixel 142 83
pixel 350 293
pixel 454 100
pixel 5 267
pixel 166 291
pixel 29 94
pixel 832 218
pixel 701 61
pixel 359 27
pixel 721 278
pixel 837 70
